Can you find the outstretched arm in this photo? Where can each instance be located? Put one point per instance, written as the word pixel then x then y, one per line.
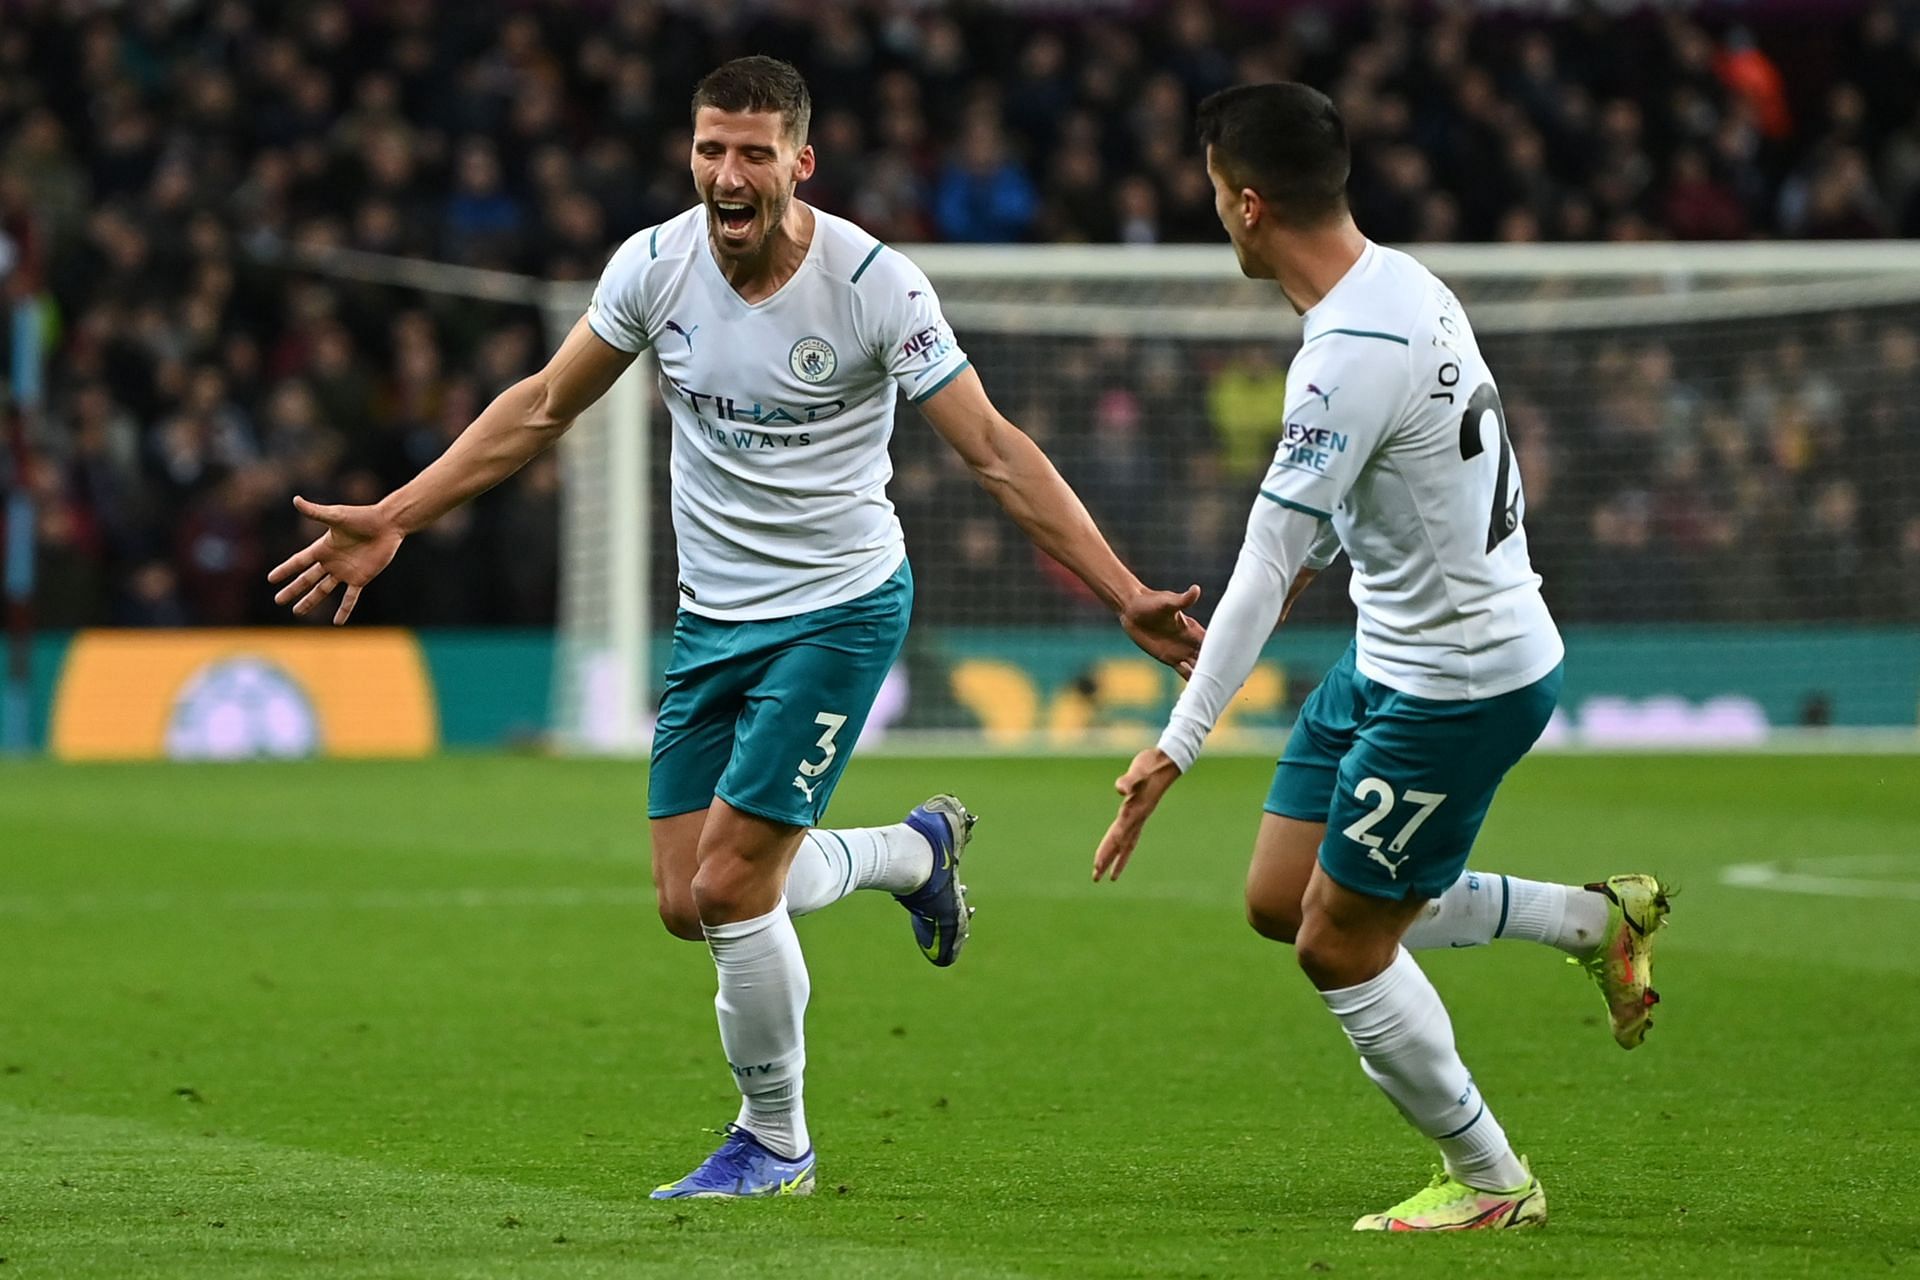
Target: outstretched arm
pixel 521 423
pixel 1279 540
pixel 1021 478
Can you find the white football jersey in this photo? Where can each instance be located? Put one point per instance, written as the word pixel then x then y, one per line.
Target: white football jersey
pixel 1396 434
pixel 781 409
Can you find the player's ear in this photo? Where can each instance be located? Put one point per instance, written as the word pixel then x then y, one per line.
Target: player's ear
pixel 1253 207
pixel 803 164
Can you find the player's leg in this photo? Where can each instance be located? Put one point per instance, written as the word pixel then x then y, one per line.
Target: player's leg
pixel 676 856
pixel 834 863
pixel 1283 859
pixel 1482 907
pixel 1409 799
pixel 708 672
pixel 763 991
pixel 1477 909
pixel 761 1005
pixel 1608 926
pixel 799 729
pixel 1297 805
pixel 1349 947
pixel 706 682
pixel 828 865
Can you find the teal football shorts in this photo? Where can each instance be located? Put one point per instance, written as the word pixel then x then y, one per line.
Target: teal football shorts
pixel 1403 783
pixel 765 714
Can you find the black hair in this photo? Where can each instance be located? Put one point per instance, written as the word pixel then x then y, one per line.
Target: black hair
pixel 759 83
pixel 1285 141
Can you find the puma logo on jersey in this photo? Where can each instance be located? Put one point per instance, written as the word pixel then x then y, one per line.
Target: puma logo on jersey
pixel 688 334
pixel 1326 397
pixel 1393 868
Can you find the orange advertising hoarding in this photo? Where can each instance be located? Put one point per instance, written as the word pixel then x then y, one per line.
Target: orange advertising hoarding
pixel 222 695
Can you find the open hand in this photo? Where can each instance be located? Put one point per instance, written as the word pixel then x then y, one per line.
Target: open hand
pixel 359 542
pixel 1157 622
pixel 1141 787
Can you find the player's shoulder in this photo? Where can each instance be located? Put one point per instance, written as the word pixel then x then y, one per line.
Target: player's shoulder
pixel 665 246
pixel 850 255
pixel 678 238
pixel 1373 314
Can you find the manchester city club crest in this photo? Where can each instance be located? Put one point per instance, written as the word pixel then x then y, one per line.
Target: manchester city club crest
pixel 812 360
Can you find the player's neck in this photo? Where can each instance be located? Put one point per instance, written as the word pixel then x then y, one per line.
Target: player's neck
pixel 1308 264
pixel 758 278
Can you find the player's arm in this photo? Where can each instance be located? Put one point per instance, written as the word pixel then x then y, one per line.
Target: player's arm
pixel 1324 551
pixel 1024 481
pixel 1279 540
pixel 521 423
pixel 1325 446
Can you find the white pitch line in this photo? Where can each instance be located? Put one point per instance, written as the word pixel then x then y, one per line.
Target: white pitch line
pixel 558 896
pixel 323 900
pixel 1771 875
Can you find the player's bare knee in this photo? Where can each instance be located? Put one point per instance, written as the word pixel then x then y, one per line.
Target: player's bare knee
pixel 718 888
pixel 729 887
pixel 1332 957
pixel 681 918
pixel 1279 921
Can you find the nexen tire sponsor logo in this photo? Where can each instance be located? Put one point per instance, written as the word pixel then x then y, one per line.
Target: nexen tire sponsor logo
pixel 1312 447
pixel 929 344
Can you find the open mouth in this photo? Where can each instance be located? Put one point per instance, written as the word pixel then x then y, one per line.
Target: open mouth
pixel 736 217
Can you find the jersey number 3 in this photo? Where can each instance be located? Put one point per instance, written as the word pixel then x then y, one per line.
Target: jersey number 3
pixel 1506 484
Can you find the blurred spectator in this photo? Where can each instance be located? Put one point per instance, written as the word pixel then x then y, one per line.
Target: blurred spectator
pixel 1247 401
pixel 983 194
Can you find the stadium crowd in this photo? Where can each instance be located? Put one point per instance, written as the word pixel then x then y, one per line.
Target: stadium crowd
pixel 156 161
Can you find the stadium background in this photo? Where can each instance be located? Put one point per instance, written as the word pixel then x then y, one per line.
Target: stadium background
pixel 173 377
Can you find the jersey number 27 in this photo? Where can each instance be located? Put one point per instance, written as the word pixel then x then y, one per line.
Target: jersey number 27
pixel 1506 483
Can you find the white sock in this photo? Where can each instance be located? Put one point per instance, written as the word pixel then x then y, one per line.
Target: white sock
pixel 762 1006
pixel 1560 915
pixel 1468 914
pixel 1480 907
pixel 832 864
pixel 1405 1040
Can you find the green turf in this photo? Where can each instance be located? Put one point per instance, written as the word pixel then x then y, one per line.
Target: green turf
pixel 419 1020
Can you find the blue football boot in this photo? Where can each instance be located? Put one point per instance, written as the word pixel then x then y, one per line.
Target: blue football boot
pixel 742 1168
pixel 939 907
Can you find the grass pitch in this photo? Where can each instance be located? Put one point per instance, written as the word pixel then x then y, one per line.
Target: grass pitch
pixel 418 1020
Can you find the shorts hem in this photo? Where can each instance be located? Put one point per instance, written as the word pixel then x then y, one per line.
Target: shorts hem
pixel 674 811
pixel 1322 816
pixel 1369 891
pixel 766 811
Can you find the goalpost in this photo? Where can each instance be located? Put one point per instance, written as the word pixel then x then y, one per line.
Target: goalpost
pixel 1720 444
pixel 603 668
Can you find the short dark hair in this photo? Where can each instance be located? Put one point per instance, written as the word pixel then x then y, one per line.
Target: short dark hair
pixel 759 83
pixel 1284 140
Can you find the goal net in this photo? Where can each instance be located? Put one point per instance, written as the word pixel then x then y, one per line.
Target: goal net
pixel 1720 450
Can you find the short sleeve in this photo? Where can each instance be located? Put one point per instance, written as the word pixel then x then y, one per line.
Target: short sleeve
pixel 1344 394
pixel 618 312
pixel 909 336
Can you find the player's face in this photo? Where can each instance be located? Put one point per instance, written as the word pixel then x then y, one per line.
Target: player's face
pixel 1238 217
pixel 745 167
